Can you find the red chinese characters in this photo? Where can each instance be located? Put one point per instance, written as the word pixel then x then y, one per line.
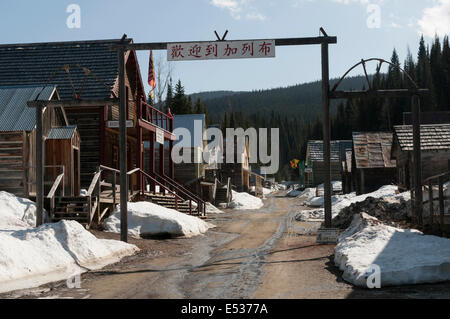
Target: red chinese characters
pixel 195 51
pixel 247 48
pixel 265 48
pixel 177 52
pixel 230 51
pixel 211 50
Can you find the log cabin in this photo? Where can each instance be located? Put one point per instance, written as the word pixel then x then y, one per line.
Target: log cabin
pixel 83 70
pixel 372 165
pixel 18 140
pixel 315 174
pixel 86 72
pixel 435 150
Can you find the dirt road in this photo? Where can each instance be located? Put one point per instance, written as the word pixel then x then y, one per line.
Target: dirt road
pixel 251 254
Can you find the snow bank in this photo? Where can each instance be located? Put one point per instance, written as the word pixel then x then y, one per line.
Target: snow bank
pixel 245 201
pixel 340 202
pixel 146 218
pixel 210 208
pixel 32 257
pixel 405 257
pixel 16 212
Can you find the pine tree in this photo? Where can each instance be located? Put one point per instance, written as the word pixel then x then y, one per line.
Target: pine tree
pixel 169 97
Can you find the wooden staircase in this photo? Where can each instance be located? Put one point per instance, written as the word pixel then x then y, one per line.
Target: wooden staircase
pixel 71 208
pixel 169 201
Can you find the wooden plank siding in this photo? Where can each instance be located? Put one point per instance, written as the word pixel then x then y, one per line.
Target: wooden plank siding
pixel 88 122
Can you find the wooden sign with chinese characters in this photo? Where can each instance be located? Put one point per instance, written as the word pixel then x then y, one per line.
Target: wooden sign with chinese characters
pixel 221 50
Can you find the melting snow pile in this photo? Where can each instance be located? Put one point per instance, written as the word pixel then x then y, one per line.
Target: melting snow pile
pixel 404 256
pixel 16 213
pixel 245 201
pixel 148 219
pixel 33 257
pixel 394 211
pixel 340 202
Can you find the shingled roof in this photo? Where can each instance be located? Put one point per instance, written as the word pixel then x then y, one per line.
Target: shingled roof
pixel 433 137
pixel 338 149
pixel 35 64
pixel 373 150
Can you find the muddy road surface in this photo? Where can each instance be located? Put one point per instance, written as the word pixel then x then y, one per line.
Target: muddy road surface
pixel 250 254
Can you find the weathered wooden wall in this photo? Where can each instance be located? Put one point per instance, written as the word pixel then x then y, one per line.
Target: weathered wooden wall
pixel 319 172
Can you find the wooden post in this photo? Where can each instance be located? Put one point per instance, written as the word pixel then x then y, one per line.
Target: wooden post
pixel 152 160
pixel 139 154
pixel 171 144
pixel 161 164
pixel 430 198
pixel 418 197
pixel 326 134
pixel 39 168
pixel 123 148
pixel 441 202
pixel 363 182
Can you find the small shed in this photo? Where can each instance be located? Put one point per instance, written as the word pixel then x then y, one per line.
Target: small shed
pixel 66 141
pixel 435 150
pixel 315 166
pixel 18 141
pixel 372 164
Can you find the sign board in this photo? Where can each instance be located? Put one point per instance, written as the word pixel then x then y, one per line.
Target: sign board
pixel 327 236
pixel 159 136
pixel 308 170
pixel 116 124
pixel 191 51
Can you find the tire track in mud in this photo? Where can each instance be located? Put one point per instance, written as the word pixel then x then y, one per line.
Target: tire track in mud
pixel 237 273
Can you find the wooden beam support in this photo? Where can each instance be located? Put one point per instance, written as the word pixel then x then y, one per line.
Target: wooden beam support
pixel 326 134
pixel 73 103
pixel 278 42
pixel 417 154
pixel 123 148
pixel 377 93
pixel 152 158
pixel 39 168
pixel 152 128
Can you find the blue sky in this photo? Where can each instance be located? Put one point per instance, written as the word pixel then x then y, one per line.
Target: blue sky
pixel 401 23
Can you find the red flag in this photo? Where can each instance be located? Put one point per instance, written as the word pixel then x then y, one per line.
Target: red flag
pixel 151 72
pixel 169 113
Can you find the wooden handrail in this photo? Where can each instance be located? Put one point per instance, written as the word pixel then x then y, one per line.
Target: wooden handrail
pixel 436 177
pixel 94 183
pixel 161 185
pixel 55 186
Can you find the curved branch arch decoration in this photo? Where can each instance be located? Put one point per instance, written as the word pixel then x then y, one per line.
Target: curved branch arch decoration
pixel 67 68
pixel 381 61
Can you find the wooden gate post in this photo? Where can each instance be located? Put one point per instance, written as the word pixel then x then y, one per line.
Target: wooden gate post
pixel 39 167
pixel 418 197
pixel 326 134
pixel 123 148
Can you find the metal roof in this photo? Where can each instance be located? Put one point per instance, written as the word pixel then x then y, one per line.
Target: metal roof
pixel 15 115
pixel 373 150
pixel 338 149
pixel 62 133
pixel 189 122
pixel 23 64
pixel 433 137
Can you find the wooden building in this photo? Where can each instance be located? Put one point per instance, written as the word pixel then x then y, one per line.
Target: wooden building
pixel 435 150
pixel 18 140
pixel 239 170
pixel 372 165
pixel 88 70
pixel 315 166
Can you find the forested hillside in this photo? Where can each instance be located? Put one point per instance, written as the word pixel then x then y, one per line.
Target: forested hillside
pixel 296 110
